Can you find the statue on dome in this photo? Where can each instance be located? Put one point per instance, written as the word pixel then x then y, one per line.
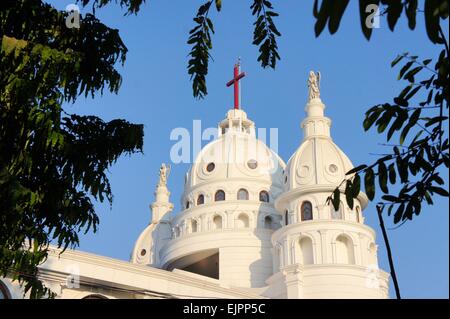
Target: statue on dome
pixel 314 85
pixel 164 172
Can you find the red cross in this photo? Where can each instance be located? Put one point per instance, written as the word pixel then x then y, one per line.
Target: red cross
pixel 235 81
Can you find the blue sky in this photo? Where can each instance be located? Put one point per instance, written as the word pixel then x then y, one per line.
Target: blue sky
pixel 156 92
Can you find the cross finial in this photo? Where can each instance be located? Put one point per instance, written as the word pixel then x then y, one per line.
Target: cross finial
pixel 235 81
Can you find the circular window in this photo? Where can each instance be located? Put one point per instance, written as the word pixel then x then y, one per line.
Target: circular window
pixel 252 164
pixel 210 167
pixel 143 252
pixel 304 171
pixel 333 168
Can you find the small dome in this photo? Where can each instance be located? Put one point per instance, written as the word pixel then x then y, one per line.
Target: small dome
pixel 318 161
pixel 236 154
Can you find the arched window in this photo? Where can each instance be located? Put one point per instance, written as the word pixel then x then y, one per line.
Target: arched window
pixel 306 251
pixel 344 250
pixel 306 211
pixel 200 199
pixel 264 196
pixel 286 217
pixel 219 196
pixel 242 194
pixel 242 221
pixel 337 214
pixel 188 204
pixel 358 214
pixel 94 296
pixel 194 226
pixel 268 223
pixel 217 222
pixel 4 292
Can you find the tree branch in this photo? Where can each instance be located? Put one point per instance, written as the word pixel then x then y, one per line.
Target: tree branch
pixel 389 253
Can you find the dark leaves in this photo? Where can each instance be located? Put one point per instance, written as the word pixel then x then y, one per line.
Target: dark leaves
pixel 330 12
pixel 369 183
pixel 218 5
pixel 356 169
pixel 52 165
pixel 265 33
pixel 200 39
pixel 383 177
pixel 367 11
pixel 336 199
pixel 393 10
pixel 132 6
pixel 414 164
pixel 349 193
pixel 432 19
pixel 411 11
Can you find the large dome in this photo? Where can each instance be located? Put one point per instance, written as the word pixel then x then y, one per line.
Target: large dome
pixel 228 208
pixel 236 155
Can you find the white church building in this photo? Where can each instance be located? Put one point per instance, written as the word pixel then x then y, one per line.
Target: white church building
pixel 251 227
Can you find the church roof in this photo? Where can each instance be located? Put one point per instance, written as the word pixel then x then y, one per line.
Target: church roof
pixel 318 160
pixel 236 154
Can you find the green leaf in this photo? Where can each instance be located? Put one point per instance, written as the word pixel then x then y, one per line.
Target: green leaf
pixel 432 20
pixel 404 69
pixel 336 199
pixel 436 120
pixel 391 206
pixel 392 174
pixel 371 118
pixel 404 134
pixel 321 15
pixel 336 13
pixel 390 198
pixel 413 92
pixel 394 10
pixel 356 187
pixel 401 102
pixel 439 190
pixel 428 198
pixel 384 121
pixel 383 177
pixel 356 169
pixel 218 5
pixel 411 10
pixel 397 60
pixel 265 33
pixel 349 193
pixel 369 183
pixel 399 213
pixel 411 73
pixel 402 168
